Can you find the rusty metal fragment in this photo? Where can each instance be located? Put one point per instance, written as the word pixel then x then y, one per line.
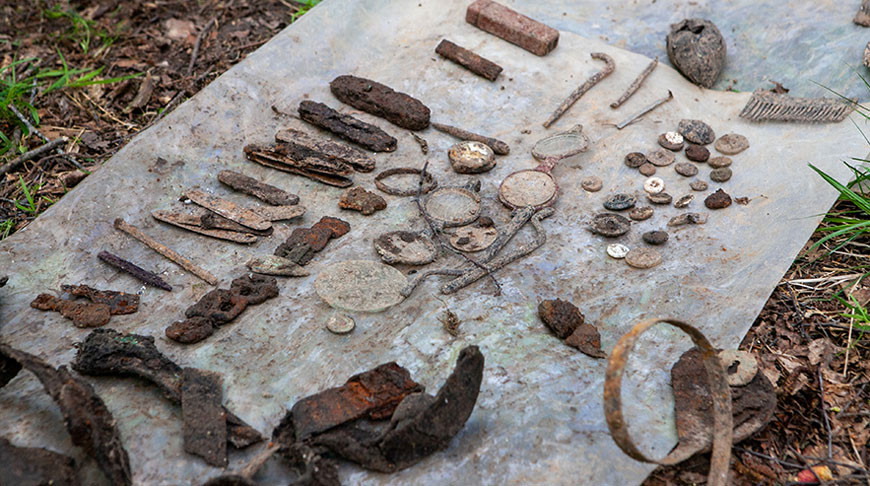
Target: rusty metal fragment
pixel 204 420
pixel 119 302
pixel 652 106
pixel 210 220
pixel 583 88
pixel 275 265
pixel 252 187
pixel 228 209
pixel 512 26
pixel 696 48
pixel 429 182
pixel 106 352
pixel 720 397
pixel 303 243
pixel 635 85
pixel 280 156
pixel 303 145
pixel 567 323
pixel 862 18
pixel 90 424
pixel 496 145
pixel 194 223
pixel 768 106
pixel 424 145
pixel 83 314
pixel 220 306
pixel 279 213
pixel 359 199
pixel 31 466
pixel 256 289
pixel 381 100
pixel 136 271
pixel 190 331
pixel 405 247
pixel 179 260
pixel 469 60
pixel 347 127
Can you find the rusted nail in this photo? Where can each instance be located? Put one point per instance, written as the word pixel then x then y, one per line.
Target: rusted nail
pixel 347 127
pixel 179 260
pixel 228 209
pixel 204 422
pixel 655 104
pixel 478 65
pixel 583 88
pixel 193 223
pixel 136 271
pixel 512 26
pixel 635 85
pixel 301 145
pixel 381 100
pixel 496 145
pixel 252 187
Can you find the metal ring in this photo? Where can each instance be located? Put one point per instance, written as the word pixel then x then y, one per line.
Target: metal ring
pixel 429 182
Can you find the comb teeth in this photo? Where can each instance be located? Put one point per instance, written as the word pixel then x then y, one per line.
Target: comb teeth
pixel 767 106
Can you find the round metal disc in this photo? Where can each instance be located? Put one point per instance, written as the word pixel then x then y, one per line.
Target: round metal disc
pixel 452 206
pixel 406 248
pixel 527 188
pixel 340 324
pixel 470 157
pixel 473 238
pixel 360 286
pixel 561 145
pixel 740 366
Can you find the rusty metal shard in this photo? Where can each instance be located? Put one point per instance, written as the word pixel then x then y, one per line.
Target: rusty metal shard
pixel 31 466
pixel 364 134
pixel 82 314
pixel 134 270
pixel 204 420
pixel 279 213
pixel 303 145
pixel 106 352
pixel 275 265
pixel 119 302
pixel 90 424
pixel 210 220
pixel 469 60
pixel 381 100
pixel 768 106
pixel 228 209
pixel 333 173
pixel 260 190
pixel 193 224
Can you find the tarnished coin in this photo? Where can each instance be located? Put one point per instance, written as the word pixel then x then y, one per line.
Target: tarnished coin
pixel 406 248
pixel 361 286
pixel 718 200
pixel 340 324
pixel 655 237
pixel 697 153
pixel 470 157
pixel 688 218
pixel 609 225
pixel 643 258
pixel 720 175
pixel 660 157
pixel 660 198
pixel 617 251
pixel 719 162
pixel 654 185
pixel 642 213
pixel 473 238
pixel 591 184
pixel 684 201
pixel 686 169
pixel 741 367
pixel 647 169
pixel 671 141
pixel 635 160
pixel 620 202
pixel 696 131
pixel 698 185
pixel 731 144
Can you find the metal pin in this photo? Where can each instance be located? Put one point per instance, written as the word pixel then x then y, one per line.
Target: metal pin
pixel 646 110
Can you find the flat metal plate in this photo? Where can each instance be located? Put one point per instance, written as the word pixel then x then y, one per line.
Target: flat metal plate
pixel 539 417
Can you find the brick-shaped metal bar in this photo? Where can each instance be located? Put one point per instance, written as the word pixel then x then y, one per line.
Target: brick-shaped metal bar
pixel 478 65
pixel 512 26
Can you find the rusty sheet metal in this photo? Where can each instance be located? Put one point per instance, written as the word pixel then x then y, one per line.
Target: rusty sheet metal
pixel 539 416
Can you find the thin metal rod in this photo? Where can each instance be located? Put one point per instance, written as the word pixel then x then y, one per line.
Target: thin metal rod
pixel 646 110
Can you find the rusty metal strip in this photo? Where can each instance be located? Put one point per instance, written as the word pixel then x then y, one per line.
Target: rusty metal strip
pixel 192 223
pixel 179 260
pixel 635 85
pixel 228 209
pixel 583 88
pixel 475 63
pixel 768 106
pixel 497 146
pixel 720 392
pixel 279 213
pixel 655 104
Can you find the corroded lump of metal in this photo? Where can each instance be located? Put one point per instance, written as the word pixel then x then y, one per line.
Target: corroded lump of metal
pixel 696 48
pixel 381 100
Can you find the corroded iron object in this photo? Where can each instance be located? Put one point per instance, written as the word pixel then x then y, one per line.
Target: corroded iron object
pixel 469 60
pixel 381 100
pixel 347 127
pixel 696 48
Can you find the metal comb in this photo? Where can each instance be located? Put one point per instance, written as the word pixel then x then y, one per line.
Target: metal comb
pixel 768 106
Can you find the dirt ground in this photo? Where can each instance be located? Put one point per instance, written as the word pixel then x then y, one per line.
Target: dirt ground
pixel 164 51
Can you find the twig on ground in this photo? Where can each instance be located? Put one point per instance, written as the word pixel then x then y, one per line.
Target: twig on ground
pixel 197 44
pixel 825 413
pixel 38 151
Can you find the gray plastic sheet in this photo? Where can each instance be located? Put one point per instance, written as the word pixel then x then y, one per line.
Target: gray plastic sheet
pixel 539 416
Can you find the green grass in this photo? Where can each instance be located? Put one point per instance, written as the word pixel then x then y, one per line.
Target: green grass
pixel 305 6
pixel 6 227
pixel 82 32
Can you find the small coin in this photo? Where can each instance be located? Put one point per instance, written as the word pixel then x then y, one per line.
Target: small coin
pixel 696 131
pixel 643 258
pixel 642 213
pixel 684 201
pixel 654 185
pixel 340 324
pixel 740 365
pixel 731 144
pixel 697 153
pixel 686 169
pixel 470 157
pixel 718 200
pixel 635 160
pixel 647 169
pixel 720 175
pixel 698 185
pixel 688 218
pixel 719 162
pixel 620 202
pixel 660 198
pixel 660 158
pixel 671 141
pixel 610 225
pixel 591 184
pixel 655 237
pixel 617 251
